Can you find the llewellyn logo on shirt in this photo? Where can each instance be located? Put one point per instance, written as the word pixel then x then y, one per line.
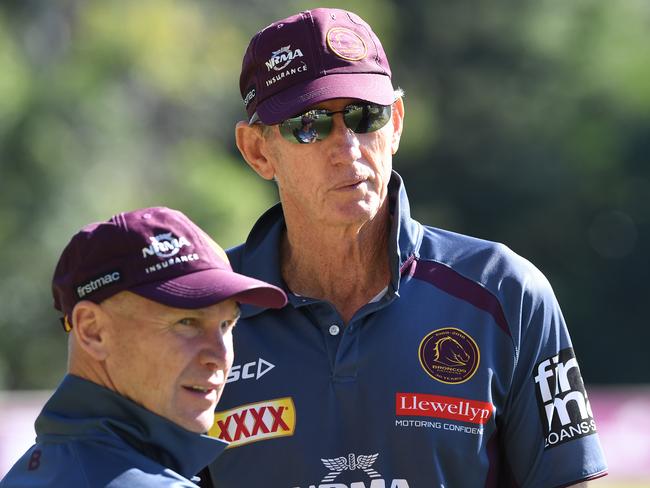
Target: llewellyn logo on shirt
pixel 564 408
pixel 255 422
pixel 442 407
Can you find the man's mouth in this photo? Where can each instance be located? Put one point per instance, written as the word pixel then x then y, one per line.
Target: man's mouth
pixel 351 183
pixel 201 389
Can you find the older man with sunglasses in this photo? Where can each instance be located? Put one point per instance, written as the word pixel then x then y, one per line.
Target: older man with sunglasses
pixel 408 356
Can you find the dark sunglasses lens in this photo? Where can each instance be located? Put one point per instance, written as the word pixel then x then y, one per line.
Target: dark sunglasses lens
pixel 306 128
pixel 365 118
pixel 316 125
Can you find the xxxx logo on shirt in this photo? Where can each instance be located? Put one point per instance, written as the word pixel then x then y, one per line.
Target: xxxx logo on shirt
pixel 255 422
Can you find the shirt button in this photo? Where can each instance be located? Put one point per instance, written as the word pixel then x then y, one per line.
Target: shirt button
pixel 334 329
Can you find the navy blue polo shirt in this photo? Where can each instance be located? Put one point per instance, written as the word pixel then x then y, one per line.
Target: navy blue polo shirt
pixel 461 374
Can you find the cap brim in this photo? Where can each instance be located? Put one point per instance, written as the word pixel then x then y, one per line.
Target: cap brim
pixel 371 87
pixel 208 287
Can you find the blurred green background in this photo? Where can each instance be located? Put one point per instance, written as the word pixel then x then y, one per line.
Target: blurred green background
pixel 527 122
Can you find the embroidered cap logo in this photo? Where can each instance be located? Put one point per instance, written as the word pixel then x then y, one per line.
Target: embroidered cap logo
pixel 346 44
pixel 165 245
pixel 281 58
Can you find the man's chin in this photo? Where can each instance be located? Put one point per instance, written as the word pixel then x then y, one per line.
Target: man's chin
pixel 200 423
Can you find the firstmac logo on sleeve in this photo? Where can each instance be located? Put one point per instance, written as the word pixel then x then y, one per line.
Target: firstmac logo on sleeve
pixel 562 400
pixel 255 422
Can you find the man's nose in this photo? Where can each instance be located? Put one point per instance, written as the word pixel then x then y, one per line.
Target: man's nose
pixel 344 143
pixel 215 352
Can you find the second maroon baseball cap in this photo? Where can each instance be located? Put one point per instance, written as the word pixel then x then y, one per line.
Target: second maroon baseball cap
pixel 311 57
pixel 158 253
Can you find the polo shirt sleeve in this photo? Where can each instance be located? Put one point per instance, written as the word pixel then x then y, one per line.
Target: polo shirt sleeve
pixel 547 431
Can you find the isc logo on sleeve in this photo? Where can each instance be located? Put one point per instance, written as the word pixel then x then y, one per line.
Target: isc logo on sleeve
pixel 255 422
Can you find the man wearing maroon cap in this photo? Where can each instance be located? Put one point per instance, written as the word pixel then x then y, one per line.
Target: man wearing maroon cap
pixel 408 356
pixel 150 302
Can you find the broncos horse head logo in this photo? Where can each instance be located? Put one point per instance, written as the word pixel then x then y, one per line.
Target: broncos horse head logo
pixel 449 352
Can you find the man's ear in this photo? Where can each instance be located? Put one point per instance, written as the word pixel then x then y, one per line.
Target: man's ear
pixel 252 146
pixel 90 326
pixel 398 123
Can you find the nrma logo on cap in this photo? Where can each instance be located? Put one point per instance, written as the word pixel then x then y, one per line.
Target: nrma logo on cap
pixel 281 58
pixel 165 245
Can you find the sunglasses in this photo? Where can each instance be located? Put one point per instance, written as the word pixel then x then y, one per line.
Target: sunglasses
pixel 315 125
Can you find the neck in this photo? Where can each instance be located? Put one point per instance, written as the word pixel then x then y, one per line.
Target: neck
pixel 79 364
pixel 347 266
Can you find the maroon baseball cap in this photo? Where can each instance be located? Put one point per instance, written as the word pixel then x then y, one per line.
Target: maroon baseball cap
pixel 158 253
pixel 310 57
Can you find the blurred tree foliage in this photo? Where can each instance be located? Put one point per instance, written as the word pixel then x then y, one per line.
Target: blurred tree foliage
pixel 527 122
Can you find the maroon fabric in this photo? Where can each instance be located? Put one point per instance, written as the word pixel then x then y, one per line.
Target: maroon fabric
pixel 457 285
pixel 158 253
pixel 310 57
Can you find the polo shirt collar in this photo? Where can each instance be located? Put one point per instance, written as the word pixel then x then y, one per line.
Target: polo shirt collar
pixel 261 253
